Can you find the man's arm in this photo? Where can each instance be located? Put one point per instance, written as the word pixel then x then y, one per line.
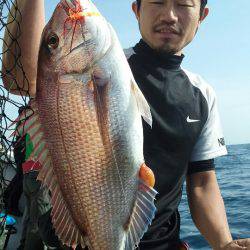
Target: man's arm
pixel 28 35
pixel 208 210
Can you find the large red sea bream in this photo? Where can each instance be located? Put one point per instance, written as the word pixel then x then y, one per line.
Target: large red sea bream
pixel 87 132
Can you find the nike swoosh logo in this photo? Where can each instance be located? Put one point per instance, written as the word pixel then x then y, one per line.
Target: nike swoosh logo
pixel 191 120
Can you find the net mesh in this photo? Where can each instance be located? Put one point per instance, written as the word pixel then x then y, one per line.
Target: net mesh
pixel 10 104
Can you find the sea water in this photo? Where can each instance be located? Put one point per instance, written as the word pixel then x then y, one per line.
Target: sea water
pixel 233 174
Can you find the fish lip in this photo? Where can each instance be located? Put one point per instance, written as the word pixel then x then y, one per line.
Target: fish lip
pixel 89 66
pixel 78 46
pixel 75 48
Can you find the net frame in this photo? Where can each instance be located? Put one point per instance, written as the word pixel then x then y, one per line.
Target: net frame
pixel 9 103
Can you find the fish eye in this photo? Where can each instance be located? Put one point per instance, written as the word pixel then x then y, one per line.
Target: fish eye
pixel 53 41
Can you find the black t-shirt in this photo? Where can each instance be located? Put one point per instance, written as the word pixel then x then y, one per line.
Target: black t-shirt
pixel 185 135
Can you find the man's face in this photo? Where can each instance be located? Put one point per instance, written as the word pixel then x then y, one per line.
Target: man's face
pixel 169 25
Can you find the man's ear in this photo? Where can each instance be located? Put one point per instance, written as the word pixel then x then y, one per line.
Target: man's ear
pixel 136 10
pixel 204 14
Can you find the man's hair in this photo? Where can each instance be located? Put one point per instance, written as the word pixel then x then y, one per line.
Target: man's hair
pixel 203 4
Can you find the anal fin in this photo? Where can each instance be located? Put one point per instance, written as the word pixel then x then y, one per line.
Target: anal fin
pixel 62 220
pixel 61 216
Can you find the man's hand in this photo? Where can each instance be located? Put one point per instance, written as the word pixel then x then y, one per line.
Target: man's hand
pixel 208 212
pixel 237 245
pixel 26 21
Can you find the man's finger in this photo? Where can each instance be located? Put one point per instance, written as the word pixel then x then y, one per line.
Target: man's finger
pixel 243 243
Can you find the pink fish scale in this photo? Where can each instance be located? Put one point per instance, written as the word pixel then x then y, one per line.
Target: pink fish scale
pixel 94 165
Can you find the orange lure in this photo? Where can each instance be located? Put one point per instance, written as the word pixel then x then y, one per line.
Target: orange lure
pixel 80 15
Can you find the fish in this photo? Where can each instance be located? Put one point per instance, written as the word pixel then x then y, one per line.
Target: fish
pixel 85 123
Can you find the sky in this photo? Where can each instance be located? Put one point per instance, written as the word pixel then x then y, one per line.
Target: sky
pixel 220 53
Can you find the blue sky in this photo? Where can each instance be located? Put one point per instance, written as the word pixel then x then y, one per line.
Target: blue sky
pixel 220 53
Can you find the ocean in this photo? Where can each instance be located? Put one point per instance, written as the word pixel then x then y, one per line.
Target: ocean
pixel 233 173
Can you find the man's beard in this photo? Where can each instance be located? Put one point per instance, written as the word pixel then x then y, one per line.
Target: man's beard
pixel 166 48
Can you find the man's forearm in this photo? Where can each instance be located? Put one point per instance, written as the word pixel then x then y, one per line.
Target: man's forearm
pixel 30 17
pixel 208 210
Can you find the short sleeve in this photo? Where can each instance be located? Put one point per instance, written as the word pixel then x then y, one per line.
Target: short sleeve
pixel 211 142
pixel 200 166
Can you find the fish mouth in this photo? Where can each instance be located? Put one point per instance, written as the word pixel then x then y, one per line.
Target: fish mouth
pixel 81 45
pixel 82 76
pixel 87 42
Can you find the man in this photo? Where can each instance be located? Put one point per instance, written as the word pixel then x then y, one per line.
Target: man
pixel 186 135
